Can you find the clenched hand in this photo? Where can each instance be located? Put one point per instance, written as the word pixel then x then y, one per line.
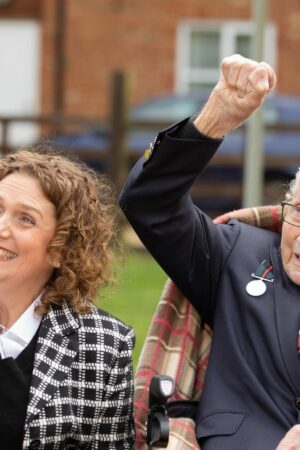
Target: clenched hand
pixel 241 89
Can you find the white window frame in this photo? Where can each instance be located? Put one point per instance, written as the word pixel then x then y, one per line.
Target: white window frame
pixel 20 62
pixel 228 30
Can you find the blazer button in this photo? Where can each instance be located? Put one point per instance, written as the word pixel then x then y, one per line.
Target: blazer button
pixel 297 403
pixel 35 444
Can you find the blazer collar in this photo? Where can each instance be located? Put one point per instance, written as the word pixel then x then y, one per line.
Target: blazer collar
pixel 56 348
pixel 287 310
pixel 62 319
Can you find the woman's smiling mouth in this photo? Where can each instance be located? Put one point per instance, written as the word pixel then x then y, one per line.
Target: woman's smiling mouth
pixel 6 254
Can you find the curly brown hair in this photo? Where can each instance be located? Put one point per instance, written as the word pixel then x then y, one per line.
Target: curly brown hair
pixel 86 229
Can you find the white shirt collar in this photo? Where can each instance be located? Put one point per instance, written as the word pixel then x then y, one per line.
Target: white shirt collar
pixel 14 340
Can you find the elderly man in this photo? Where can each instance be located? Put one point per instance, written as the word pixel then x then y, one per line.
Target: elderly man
pixel 243 280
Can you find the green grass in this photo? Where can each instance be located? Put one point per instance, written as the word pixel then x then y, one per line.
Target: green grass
pixel 135 296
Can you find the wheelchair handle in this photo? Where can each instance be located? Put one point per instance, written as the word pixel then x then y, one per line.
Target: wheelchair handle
pixel 161 388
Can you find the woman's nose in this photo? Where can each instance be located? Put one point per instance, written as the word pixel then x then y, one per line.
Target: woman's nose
pixel 5 226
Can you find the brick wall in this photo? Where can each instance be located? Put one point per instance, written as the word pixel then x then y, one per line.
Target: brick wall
pixel 21 9
pixel 138 36
pixel 132 35
pixel 135 36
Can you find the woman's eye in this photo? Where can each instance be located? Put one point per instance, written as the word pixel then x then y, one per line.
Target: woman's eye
pixel 26 219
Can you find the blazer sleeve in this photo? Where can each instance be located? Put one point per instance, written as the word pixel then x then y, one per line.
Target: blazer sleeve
pixel 116 426
pixel 184 241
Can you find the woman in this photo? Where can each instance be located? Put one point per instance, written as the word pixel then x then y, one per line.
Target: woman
pixel 65 368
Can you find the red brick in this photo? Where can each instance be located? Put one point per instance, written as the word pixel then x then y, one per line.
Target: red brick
pixel 139 37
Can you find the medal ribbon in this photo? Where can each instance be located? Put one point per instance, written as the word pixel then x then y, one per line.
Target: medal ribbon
pixel 265 271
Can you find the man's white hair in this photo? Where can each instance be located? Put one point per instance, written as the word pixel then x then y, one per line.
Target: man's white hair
pixel 294 183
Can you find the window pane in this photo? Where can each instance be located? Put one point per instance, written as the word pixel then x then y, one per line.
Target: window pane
pixel 204 49
pixel 243 46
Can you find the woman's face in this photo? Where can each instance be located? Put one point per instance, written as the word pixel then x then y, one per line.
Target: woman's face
pixel 27 225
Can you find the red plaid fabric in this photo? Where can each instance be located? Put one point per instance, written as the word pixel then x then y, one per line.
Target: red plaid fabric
pixel 178 345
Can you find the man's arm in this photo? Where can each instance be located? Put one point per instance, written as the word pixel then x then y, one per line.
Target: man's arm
pixel 156 196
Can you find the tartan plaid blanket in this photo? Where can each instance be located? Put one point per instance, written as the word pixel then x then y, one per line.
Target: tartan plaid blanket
pixel 178 344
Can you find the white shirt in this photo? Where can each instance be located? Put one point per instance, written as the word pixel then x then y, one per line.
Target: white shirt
pixel 18 336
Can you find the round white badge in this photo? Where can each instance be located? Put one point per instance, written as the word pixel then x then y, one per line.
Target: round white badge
pixel 256 288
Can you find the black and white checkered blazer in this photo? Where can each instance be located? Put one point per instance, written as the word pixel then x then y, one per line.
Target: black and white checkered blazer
pixel 82 384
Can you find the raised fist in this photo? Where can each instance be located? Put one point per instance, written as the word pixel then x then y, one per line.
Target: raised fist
pixel 241 89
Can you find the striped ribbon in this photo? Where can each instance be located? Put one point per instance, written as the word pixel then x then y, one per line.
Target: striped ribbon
pixel 265 271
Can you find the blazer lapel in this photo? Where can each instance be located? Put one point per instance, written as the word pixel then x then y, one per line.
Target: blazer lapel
pixel 287 310
pixel 56 348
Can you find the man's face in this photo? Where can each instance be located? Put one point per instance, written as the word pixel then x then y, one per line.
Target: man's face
pixel 290 243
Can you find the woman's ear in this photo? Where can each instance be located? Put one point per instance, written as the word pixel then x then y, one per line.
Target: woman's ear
pixel 54 258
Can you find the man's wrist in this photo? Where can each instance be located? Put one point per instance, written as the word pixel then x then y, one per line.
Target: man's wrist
pixel 210 121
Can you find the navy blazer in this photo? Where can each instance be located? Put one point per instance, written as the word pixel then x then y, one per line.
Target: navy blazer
pixel 252 384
